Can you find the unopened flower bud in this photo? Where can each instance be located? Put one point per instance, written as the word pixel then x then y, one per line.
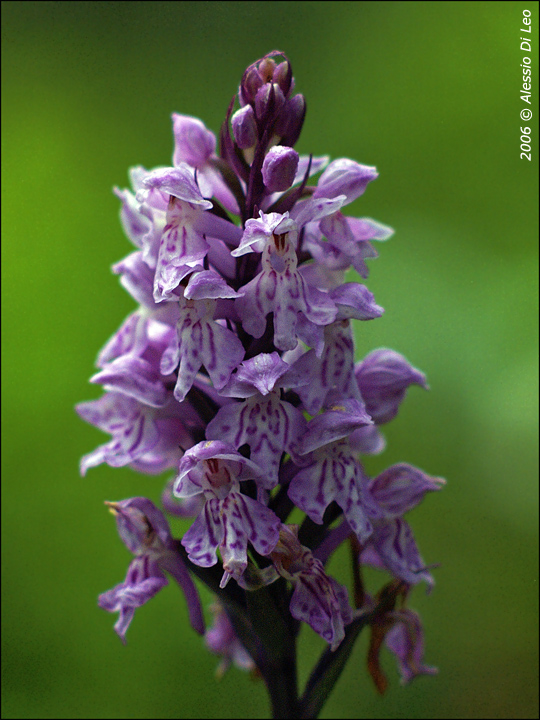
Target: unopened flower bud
pixel 283 77
pixel 266 69
pixel 251 82
pixel 290 120
pixel 279 168
pixel 269 99
pixel 265 72
pixel 244 127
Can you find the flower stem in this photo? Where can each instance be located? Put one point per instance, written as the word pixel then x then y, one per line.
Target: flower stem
pixel 282 688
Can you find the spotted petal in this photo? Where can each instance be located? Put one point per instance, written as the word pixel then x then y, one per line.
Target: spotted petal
pixel 229 525
pixel 394 544
pixel 333 474
pixel 268 425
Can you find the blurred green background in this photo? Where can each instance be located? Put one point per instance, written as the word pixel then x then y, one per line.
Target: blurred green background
pixel 427 92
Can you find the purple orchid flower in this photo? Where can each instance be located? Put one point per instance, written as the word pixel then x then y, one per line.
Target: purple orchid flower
pixel 200 339
pixel 195 145
pixel 392 545
pixel 140 433
pixel 265 422
pixel 383 377
pixel 229 519
pixel 145 532
pixel 279 288
pixel 317 598
pixel 406 641
pixel 333 472
pixel 222 640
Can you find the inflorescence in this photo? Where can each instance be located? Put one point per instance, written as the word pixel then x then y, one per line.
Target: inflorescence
pixel 237 372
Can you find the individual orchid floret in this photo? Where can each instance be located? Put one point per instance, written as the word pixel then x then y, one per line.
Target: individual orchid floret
pixel 383 377
pixel 195 145
pixel 130 423
pixel 400 488
pixel 148 326
pixel 355 245
pixel 383 382
pixel 182 243
pixel 229 518
pixel 333 471
pixel 145 532
pixel 260 231
pixel 215 469
pixel 341 248
pixel 130 362
pixel 405 640
pixel 401 630
pixel 317 598
pixel 222 640
pixel 143 215
pixel 334 370
pixel 140 433
pixel 346 238
pixel 353 301
pixel 265 422
pixel 143 581
pixel 200 339
pixel 392 547
pixel 344 177
pixel 279 288
pixel 279 168
pixel 347 242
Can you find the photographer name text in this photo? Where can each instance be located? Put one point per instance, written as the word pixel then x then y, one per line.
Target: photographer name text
pixel 525 91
